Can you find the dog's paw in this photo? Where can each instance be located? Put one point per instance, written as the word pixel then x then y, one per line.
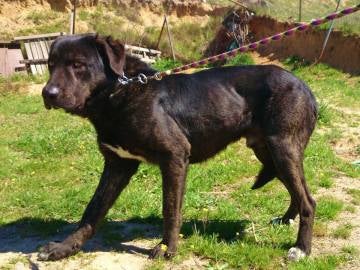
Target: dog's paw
pixel 55 251
pixel 296 254
pixel 280 221
pixel 161 251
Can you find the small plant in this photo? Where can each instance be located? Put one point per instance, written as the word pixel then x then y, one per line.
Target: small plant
pixel 165 64
pixel 320 229
pixel 328 208
pixel 295 62
pixel 240 59
pixel 351 250
pixel 343 231
pixel 324 115
pixel 355 194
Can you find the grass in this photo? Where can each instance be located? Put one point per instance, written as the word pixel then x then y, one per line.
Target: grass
pixel 289 11
pixel 355 194
pixel 51 165
pixel 328 208
pixel 343 231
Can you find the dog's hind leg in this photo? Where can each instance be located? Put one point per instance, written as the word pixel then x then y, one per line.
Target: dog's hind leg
pixel 115 177
pixel 267 173
pixel 288 159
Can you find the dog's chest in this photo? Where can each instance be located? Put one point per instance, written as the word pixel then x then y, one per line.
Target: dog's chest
pixel 121 152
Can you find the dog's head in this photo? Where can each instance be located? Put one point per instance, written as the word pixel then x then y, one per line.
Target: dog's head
pixel 78 65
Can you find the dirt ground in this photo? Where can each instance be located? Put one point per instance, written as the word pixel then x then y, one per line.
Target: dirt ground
pixel 20 253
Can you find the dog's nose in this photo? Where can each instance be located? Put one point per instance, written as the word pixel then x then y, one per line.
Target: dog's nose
pixel 51 91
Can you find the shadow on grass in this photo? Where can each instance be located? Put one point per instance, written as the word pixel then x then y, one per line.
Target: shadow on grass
pixel 26 235
pixel 132 236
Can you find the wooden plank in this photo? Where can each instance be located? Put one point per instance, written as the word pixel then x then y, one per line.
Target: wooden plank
pixel 136 48
pixel 47 45
pixel 42 36
pixel 30 57
pixel 44 49
pixel 33 61
pixel 3 58
pixel 36 55
pixel 41 55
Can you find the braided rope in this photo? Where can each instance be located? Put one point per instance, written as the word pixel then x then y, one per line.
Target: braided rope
pixel 254 45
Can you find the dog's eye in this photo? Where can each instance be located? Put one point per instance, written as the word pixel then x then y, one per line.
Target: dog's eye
pixel 78 65
pixel 50 64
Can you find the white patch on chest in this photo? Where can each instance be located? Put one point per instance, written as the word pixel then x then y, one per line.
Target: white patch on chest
pixel 121 152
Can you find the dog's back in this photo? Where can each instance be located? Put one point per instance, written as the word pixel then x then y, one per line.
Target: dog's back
pixel 219 105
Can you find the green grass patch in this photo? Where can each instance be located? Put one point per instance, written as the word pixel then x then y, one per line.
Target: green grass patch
pixel 343 231
pixel 322 263
pixel 328 208
pixel 289 11
pixel 351 250
pixel 240 59
pixel 355 194
pixel 51 166
pixel 163 64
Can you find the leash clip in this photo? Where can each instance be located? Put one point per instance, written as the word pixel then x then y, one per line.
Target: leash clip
pixel 142 78
pixel 123 80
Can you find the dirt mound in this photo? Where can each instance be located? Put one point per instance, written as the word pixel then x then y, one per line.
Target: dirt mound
pixel 342 52
pixel 178 7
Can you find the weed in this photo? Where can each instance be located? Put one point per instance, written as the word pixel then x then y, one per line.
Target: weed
pixel 320 228
pixel 355 194
pixel 352 250
pixel 163 64
pixel 322 263
pixel 350 209
pixel 241 59
pixel 343 231
pixel 324 113
pixel 40 17
pixel 328 208
pixel 289 11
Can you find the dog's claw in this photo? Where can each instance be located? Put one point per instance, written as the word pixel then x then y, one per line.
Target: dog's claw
pixel 161 251
pixel 295 254
pixel 279 221
pixel 43 256
pixel 276 221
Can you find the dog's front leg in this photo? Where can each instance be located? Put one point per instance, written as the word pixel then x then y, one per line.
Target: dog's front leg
pixel 115 177
pixel 173 176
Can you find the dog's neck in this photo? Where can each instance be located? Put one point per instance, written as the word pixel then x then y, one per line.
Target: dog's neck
pixel 100 101
pixel 134 66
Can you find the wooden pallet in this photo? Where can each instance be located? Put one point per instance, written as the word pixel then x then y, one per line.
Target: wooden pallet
pixel 37 50
pixel 145 54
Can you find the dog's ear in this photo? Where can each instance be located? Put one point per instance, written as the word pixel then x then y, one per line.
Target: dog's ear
pixel 113 51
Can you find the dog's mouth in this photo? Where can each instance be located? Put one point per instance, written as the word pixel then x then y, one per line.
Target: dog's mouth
pixel 68 105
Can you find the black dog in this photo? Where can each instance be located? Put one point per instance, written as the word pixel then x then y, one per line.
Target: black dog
pixel 178 120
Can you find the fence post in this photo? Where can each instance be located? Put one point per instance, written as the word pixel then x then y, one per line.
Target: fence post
pixel 72 18
pixel 169 37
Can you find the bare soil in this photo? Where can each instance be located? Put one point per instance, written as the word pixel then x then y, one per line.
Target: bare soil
pixel 342 51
